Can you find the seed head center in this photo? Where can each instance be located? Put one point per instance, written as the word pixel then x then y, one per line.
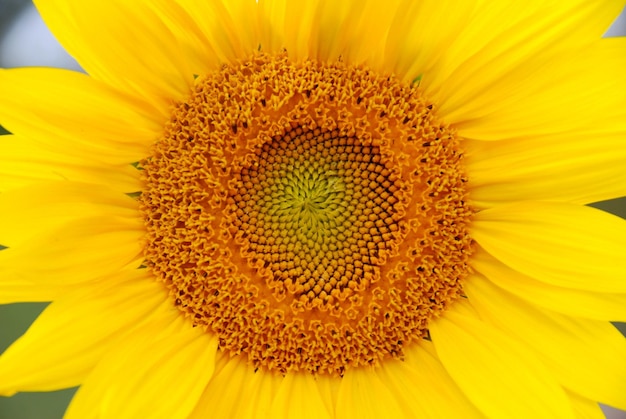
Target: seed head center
pixel 308 215
pixel 311 197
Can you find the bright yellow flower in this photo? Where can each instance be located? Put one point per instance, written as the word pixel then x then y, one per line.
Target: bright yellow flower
pixel 351 209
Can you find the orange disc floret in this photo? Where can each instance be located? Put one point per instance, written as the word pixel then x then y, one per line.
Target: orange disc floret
pixel 312 215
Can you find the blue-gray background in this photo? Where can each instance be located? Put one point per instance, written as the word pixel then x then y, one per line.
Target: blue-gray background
pixel 25 41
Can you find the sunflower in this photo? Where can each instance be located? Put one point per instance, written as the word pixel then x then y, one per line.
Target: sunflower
pixel 319 209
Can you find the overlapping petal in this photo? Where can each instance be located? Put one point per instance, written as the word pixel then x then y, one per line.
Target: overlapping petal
pixel 562 342
pixel 226 31
pixel 76 330
pixel 548 97
pixel 364 395
pixel 24 161
pixel 125 44
pixel 566 167
pixel 255 388
pixel 155 362
pixel 561 244
pixel 77 253
pixel 71 113
pixel 497 40
pixel 298 396
pixel 492 366
pixel 40 208
pixel 570 301
pixel 424 388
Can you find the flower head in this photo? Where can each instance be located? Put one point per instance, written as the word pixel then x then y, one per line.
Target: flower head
pixel 260 209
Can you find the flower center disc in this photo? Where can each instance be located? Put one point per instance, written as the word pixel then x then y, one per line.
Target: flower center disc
pixel 312 215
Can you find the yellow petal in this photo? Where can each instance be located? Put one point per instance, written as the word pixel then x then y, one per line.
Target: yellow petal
pixel 24 161
pixel 78 252
pixel 456 46
pixel 326 30
pixel 298 397
pixel 585 408
pixel 329 389
pixel 573 302
pixel 211 33
pixel 551 96
pixel 485 61
pixel 424 388
pixel 256 388
pixel 37 209
pixel 168 363
pixel 76 331
pixel 292 26
pixel 422 33
pixel 502 377
pixel 354 30
pixel 71 113
pixel 569 167
pixel 123 43
pixel 364 395
pixel 271 15
pixel 21 290
pixel 560 244
pixel 586 356
pixel 248 24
